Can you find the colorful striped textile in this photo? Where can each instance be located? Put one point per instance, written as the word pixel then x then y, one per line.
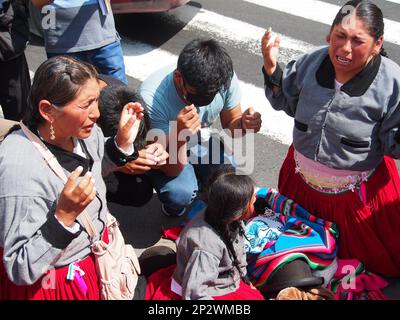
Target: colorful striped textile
pixel 352 282
pixel 304 236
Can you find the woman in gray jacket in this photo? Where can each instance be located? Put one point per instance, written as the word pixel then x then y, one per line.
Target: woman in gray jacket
pixel 345 101
pixel 45 250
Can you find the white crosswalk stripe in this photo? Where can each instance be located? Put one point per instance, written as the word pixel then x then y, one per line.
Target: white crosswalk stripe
pixel 242 34
pixel 322 12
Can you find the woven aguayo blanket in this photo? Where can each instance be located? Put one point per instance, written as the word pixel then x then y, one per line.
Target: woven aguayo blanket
pixel 303 236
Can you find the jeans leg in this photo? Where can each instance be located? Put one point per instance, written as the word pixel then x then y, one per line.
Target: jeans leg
pixel 178 192
pixel 109 60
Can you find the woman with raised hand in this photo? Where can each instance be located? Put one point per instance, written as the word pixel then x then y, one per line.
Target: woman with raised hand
pixel 345 101
pixel 44 248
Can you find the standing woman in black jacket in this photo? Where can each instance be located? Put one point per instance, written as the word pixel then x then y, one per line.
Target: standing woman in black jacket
pixel 15 81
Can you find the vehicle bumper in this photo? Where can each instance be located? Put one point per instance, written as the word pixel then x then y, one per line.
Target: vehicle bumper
pixel 129 6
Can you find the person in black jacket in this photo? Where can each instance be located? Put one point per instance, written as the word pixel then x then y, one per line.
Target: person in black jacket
pixel 129 185
pixel 14 77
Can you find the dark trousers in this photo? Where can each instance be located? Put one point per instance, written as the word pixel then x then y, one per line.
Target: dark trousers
pixel 15 84
pixel 151 260
pixel 128 190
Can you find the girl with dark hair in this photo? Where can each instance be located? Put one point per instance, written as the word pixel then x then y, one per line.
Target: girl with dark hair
pixel 211 261
pixel 345 99
pixel 45 251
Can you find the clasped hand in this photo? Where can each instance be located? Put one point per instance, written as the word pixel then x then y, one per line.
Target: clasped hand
pixel 251 120
pixel 152 156
pixel 188 119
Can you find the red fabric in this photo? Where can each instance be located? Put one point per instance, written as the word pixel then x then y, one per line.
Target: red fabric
pixel 159 285
pixel 105 235
pixel 52 286
pixel 367 232
pixel 352 282
pixel 159 288
pixel 55 284
pixel 245 292
pixel 171 233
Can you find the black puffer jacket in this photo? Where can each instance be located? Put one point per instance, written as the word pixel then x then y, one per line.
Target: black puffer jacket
pixel 14 28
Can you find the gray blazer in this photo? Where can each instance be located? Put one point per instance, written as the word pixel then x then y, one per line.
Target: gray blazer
pixel 350 129
pixel 204 266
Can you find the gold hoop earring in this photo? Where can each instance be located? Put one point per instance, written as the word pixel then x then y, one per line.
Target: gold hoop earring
pixel 52 132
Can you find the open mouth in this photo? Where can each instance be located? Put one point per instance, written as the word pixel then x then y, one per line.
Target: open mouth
pixel 89 127
pixel 342 60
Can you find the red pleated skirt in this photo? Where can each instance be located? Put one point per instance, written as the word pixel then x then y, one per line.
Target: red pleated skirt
pixel 54 285
pixel 368 232
pixel 159 288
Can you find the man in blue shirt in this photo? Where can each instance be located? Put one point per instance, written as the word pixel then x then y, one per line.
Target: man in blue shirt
pixel 182 103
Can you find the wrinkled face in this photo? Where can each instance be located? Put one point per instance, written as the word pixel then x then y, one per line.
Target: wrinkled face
pixel 351 48
pixel 77 118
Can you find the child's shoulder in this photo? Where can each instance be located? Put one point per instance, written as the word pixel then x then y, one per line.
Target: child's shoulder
pixel 198 232
pixel 198 224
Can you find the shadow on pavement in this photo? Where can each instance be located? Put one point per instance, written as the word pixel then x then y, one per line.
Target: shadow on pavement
pixel 142 227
